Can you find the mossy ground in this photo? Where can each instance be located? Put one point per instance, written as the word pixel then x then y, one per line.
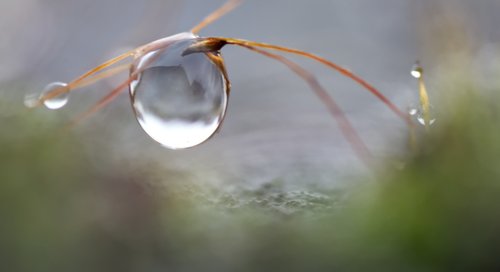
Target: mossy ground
pixel 441 212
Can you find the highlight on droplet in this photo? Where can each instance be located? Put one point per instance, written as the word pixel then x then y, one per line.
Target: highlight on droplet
pixel 417 70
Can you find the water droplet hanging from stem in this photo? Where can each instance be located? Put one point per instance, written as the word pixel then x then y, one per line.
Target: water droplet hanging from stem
pixel 424 114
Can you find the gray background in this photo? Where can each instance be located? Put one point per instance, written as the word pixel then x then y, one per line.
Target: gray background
pixel 275 127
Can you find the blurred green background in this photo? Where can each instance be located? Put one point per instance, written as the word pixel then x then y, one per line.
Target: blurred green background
pixel 278 189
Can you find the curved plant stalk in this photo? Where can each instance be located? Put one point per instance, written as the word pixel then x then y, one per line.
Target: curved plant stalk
pixel 424 103
pixel 92 76
pixel 344 124
pixel 211 47
pixel 217 14
pixel 215 42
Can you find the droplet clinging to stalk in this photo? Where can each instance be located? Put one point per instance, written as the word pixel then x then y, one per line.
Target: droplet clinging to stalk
pixel 54 96
pixel 179 101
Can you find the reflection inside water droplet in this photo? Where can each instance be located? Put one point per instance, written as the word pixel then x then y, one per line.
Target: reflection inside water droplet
pixel 179 101
pixel 31 100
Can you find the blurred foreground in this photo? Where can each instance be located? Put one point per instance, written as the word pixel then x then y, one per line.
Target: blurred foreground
pixel 64 211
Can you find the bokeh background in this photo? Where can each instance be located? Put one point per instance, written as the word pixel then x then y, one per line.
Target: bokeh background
pixel 272 186
pixel 276 127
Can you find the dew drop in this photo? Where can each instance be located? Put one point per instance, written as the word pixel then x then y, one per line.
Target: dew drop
pixel 421 120
pixel 59 101
pixel 47 96
pixel 417 71
pixel 418 113
pixel 179 101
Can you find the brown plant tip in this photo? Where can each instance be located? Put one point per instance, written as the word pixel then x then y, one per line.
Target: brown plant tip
pixel 205 45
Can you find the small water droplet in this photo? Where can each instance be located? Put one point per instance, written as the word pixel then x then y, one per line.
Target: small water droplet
pixel 418 113
pixel 421 120
pixel 179 101
pixel 417 70
pixel 33 100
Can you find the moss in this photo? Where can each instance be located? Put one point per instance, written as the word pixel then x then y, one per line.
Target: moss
pixel 440 212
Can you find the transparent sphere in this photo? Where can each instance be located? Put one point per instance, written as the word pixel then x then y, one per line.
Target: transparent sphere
pixel 32 100
pixel 59 101
pixel 179 101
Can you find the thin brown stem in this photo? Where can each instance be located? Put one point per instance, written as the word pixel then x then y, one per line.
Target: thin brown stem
pixel 86 79
pixel 113 94
pixel 217 14
pixel 344 124
pixel 105 74
pixel 75 83
pixel 219 62
pixel 326 62
pixel 101 103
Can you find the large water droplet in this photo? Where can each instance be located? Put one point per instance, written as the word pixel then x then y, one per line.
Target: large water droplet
pixel 179 101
